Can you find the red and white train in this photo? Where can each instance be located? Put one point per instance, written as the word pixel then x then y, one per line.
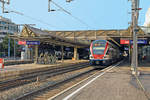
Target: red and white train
pixel 104 52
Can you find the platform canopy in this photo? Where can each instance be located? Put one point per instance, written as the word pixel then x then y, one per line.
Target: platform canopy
pixel 34 34
pixel 78 38
pixel 90 35
pixel 97 34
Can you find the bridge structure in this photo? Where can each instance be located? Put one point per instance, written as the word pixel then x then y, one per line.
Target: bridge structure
pixel 76 39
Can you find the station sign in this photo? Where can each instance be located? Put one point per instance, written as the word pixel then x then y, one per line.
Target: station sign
pixel 33 42
pixel 140 41
pixel 22 42
pixel 1 63
pixel 124 41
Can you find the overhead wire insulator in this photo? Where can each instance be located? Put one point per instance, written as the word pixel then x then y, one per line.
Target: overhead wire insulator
pixel 69 1
pixel 49 6
pixel 3 5
pixel 8 2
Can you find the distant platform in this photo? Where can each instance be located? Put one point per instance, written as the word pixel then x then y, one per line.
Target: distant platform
pixel 16 70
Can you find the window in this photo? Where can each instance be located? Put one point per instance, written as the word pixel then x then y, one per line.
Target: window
pixel 99 47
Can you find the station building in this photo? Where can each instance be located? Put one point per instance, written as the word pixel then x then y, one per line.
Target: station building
pixel 7 27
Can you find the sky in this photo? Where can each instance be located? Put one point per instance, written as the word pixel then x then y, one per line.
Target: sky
pixel 85 14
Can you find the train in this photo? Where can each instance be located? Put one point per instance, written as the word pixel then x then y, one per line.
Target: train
pixel 104 52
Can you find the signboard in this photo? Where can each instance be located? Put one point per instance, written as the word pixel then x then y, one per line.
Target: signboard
pixel 1 62
pixel 33 42
pixel 124 41
pixel 22 42
pixel 140 41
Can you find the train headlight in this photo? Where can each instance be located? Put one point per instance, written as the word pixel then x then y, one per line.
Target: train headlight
pixel 91 57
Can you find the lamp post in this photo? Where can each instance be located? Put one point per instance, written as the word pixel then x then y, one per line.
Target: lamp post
pixel 14 49
pixel 9 47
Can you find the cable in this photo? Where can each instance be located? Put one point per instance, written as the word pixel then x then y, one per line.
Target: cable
pixel 19 13
pixel 39 21
pixel 81 21
pixel 22 14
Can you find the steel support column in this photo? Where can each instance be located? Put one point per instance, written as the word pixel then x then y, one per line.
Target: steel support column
pixel 135 6
pixel 75 53
pixel 62 53
pixel 14 49
pixel 129 52
pixel 36 54
pixel 8 47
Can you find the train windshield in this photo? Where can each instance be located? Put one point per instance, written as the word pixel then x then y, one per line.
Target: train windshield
pixel 99 47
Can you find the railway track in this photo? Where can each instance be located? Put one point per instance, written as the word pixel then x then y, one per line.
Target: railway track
pixel 45 92
pixel 38 76
pixel 58 82
pixel 39 87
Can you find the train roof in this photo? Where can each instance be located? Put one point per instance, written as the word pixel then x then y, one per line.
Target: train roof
pixel 111 41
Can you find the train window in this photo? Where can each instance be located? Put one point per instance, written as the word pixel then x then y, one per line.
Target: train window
pixel 98 50
pixel 99 47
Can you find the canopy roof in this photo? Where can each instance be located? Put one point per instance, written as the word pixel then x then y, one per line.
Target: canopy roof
pixel 77 38
pixel 34 34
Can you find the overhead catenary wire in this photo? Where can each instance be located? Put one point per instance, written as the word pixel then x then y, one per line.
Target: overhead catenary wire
pixel 76 18
pixel 29 17
pixel 38 20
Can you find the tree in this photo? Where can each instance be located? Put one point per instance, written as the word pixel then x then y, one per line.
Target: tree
pixel 4 47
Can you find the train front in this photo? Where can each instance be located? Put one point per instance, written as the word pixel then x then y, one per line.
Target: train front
pixel 98 49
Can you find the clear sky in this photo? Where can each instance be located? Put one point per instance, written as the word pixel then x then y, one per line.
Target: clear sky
pixel 97 14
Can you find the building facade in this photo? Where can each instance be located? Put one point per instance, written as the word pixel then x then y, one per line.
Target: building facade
pixel 7 27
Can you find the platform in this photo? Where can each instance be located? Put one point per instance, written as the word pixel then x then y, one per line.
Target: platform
pixel 17 62
pixel 13 71
pixel 116 84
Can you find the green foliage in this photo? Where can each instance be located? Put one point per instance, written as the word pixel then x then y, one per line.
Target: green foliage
pixel 4 47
